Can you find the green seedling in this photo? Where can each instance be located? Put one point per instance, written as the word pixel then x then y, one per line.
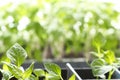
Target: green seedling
pixel 13 70
pixel 54 71
pixel 99 41
pixel 16 56
pixel 105 61
pixel 107 64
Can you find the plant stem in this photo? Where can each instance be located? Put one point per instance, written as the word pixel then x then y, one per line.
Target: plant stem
pixel 99 53
pixel 110 74
pixel 46 76
pixel 61 78
pixel 97 78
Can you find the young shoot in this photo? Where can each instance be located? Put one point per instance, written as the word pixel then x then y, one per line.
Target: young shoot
pixel 105 62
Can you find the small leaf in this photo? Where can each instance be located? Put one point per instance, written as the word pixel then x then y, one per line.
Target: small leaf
pixel 72 77
pixel 28 71
pixel 98 63
pixel 50 76
pixel 117 62
pixel 13 78
pixel 39 72
pixel 5 67
pixel 6 75
pixel 16 54
pixel 99 68
pixel 99 40
pixel 17 72
pixel 32 77
pixel 109 57
pixel 53 68
pixel 100 71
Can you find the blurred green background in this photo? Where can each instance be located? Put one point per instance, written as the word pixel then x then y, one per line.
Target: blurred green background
pixel 58 28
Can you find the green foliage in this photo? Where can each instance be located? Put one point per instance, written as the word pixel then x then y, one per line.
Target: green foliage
pixel 105 61
pixel 109 57
pixel 39 72
pixel 72 24
pixel 107 64
pixel 53 69
pixel 6 75
pixel 17 54
pixel 28 71
pixel 17 72
pixel 99 40
pixel 100 68
pixel 12 71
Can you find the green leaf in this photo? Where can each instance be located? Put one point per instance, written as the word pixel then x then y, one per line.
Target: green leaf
pixel 32 77
pixel 17 72
pixel 39 72
pixel 100 71
pixel 5 67
pixel 117 62
pixel 109 57
pixel 6 75
pixel 97 63
pixel 50 76
pixel 72 77
pixel 53 68
pixel 99 40
pixel 16 54
pixel 99 68
pixel 28 71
